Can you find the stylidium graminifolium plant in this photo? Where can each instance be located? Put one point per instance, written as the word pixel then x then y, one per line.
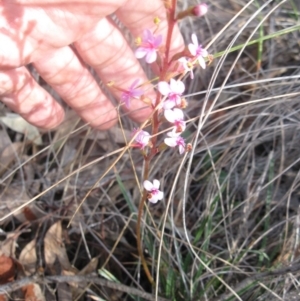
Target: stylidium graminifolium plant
pixel 169 103
pixel 170 92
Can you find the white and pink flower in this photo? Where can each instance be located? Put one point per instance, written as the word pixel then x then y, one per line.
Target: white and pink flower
pixel 174 139
pixel 176 117
pixel 142 139
pixel 187 66
pixel 197 51
pixel 149 46
pixel 154 194
pixel 172 91
pixel 131 93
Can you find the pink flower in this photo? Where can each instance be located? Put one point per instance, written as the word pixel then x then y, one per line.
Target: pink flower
pixel 133 92
pixel 175 140
pixel 188 66
pixel 149 46
pixel 173 91
pixel 154 194
pixel 197 51
pixel 200 10
pixel 176 117
pixel 142 139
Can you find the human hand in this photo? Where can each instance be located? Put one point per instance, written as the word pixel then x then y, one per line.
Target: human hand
pixel 38 32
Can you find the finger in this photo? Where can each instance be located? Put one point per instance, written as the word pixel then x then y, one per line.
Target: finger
pixel 139 15
pixel 28 29
pixel 20 92
pixel 106 50
pixel 28 32
pixel 69 77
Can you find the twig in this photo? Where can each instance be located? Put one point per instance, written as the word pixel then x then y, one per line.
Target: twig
pixel 13 286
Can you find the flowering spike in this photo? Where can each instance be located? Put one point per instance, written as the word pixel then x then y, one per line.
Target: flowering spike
pixel 154 194
pixel 149 46
pixel 132 92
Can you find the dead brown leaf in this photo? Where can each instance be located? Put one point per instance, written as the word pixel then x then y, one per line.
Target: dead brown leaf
pixel 90 267
pixel 12 198
pixel 4 140
pixel 33 292
pixel 8 246
pixel 28 258
pixel 9 154
pixel 9 266
pixel 55 248
pixel 20 125
pixel 76 288
pixel 7 269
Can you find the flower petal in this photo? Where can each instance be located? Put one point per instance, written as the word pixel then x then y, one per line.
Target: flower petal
pixel 137 93
pixel 170 116
pixel 182 126
pixel 158 41
pixel 201 62
pixel 125 98
pixel 160 195
pixel 183 60
pixel 148 185
pixel 134 84
pixel 178 114
pixel 143 138
pixel 140 52
pixel 181 149
pixel 154 199
pixel 173 134
pixel 151 56
pixel 156 183
pixel 147 35
pixel 168 104
pixel 170 142
pixel 195 40
pixel 163 88
pixel 173 84
pixel 177 86
pixel 204 52
pixel 193 49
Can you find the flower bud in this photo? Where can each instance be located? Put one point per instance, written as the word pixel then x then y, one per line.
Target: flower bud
pixel 200 10
pixel 183 103
pixel 188 147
